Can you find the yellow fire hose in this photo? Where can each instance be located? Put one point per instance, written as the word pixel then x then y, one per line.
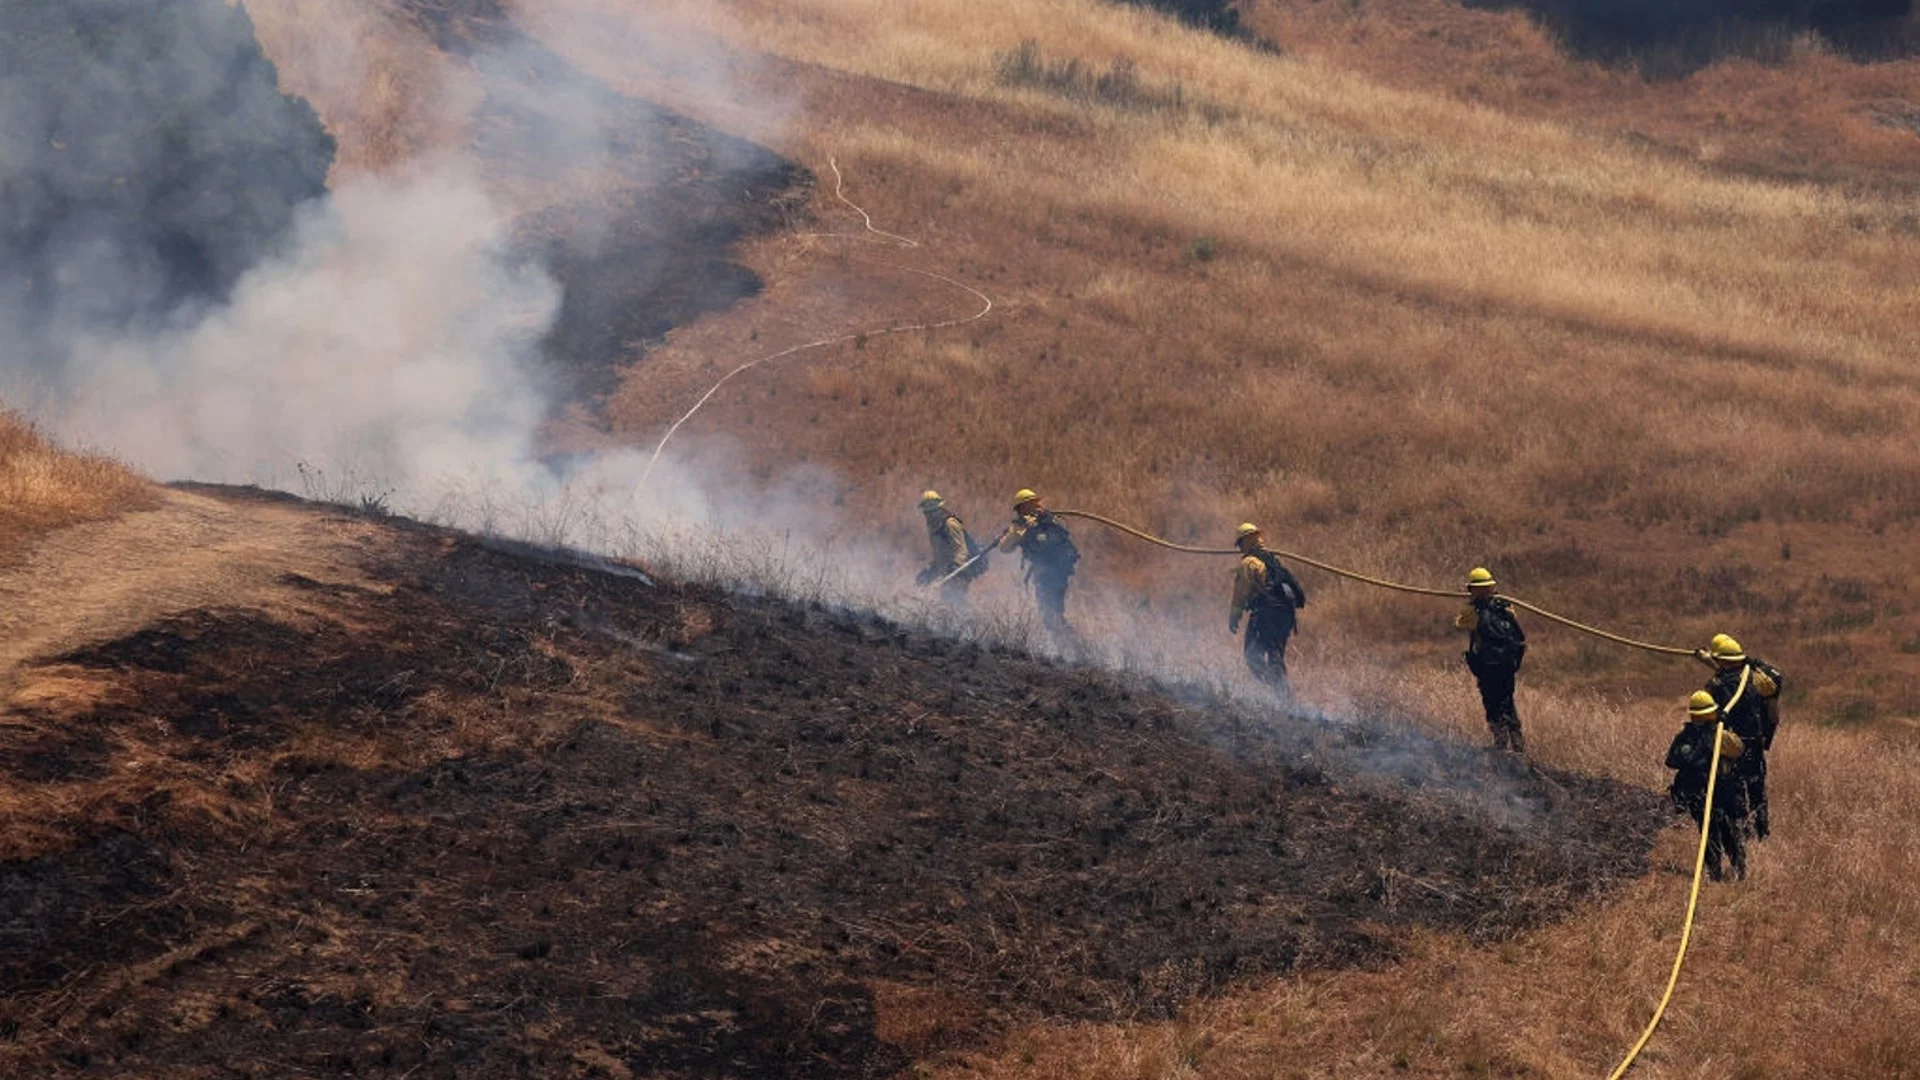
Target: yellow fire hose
pixel 1669 650
pixel 1713 771
pixel 1693 895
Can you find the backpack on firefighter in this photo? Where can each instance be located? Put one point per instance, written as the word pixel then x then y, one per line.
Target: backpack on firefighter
pixel 1280 595
pixel 1766 682
pixel 1499 643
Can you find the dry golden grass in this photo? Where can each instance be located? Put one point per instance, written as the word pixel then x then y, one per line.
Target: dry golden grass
pixel 43 488
pixel 1428 334
pixel 1413 333
pixel 1815 114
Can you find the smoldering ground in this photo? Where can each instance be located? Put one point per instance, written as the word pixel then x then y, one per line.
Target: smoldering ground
pixel 391 343
pixel 479 814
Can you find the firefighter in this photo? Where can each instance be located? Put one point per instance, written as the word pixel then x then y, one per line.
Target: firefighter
pixel 1752 712
pixel 1495 647
pixel 1268 594
pixel 1690 756
pixel 1046 549
pixel 953 564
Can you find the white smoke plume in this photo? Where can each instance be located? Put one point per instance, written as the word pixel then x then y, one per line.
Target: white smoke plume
pixel 390 351
pixel 393 343
pixel 386 348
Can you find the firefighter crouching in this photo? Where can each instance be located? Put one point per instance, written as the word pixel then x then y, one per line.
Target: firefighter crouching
pixel 1690 756
pixel 1268 594
pixel 1747 689
pixel 1495 647
pixel 1047 549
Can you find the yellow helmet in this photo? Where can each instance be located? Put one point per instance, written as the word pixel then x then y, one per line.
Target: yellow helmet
pixel 1701 705
pixel 1246 529
pixel 1723 647
pixel 1023 497
pixel 1480 577
pixel 931 500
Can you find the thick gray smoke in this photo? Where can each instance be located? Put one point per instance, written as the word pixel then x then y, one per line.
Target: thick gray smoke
pixel 392 343
pixel 181 291
pixel 147 161
pixel 385 340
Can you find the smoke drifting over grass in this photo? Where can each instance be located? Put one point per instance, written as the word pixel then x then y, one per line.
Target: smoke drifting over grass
pixel 185 294
pixel 393 342
pixel 388 349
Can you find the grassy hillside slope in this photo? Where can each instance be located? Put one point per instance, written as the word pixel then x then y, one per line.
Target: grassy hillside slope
pixel 1810 113
pixel 1409 331
pixel 1415 332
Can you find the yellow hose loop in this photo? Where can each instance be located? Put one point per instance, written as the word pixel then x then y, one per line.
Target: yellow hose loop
pixel 1382 583
pixel 1693 905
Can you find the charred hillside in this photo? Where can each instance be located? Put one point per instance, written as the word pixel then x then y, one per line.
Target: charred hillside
pixel 459 812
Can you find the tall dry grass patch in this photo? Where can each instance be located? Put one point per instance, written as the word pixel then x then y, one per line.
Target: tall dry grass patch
pixel 43 488
pixel 1810 113
pixel 1413 333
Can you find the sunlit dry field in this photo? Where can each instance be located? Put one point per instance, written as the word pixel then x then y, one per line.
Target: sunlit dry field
pixel 1404 331
pixel 1414 334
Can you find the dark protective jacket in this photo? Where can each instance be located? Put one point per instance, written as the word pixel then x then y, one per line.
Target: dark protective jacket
pixel 1689 756
pixel 1045 545
pixel 1495 640
pixel 1755 716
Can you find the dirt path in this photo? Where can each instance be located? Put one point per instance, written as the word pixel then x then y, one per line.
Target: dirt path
pixel 102 580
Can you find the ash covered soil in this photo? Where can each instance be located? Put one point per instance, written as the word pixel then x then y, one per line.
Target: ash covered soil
pixel 476 814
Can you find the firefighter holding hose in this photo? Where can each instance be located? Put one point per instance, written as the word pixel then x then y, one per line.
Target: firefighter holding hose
pixel 1047 549
pixel 1269 596
pixel 1690 757
pixel 1747 688
pixel 956 560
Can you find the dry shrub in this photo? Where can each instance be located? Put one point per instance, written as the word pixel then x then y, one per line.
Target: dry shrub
pixel 43 488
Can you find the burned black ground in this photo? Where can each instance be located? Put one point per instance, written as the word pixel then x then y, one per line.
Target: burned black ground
pixel 487 815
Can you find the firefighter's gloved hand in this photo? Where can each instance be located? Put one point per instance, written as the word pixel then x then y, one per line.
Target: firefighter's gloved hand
pixel 925 577
pixel 1233 626
pixel 1703 656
